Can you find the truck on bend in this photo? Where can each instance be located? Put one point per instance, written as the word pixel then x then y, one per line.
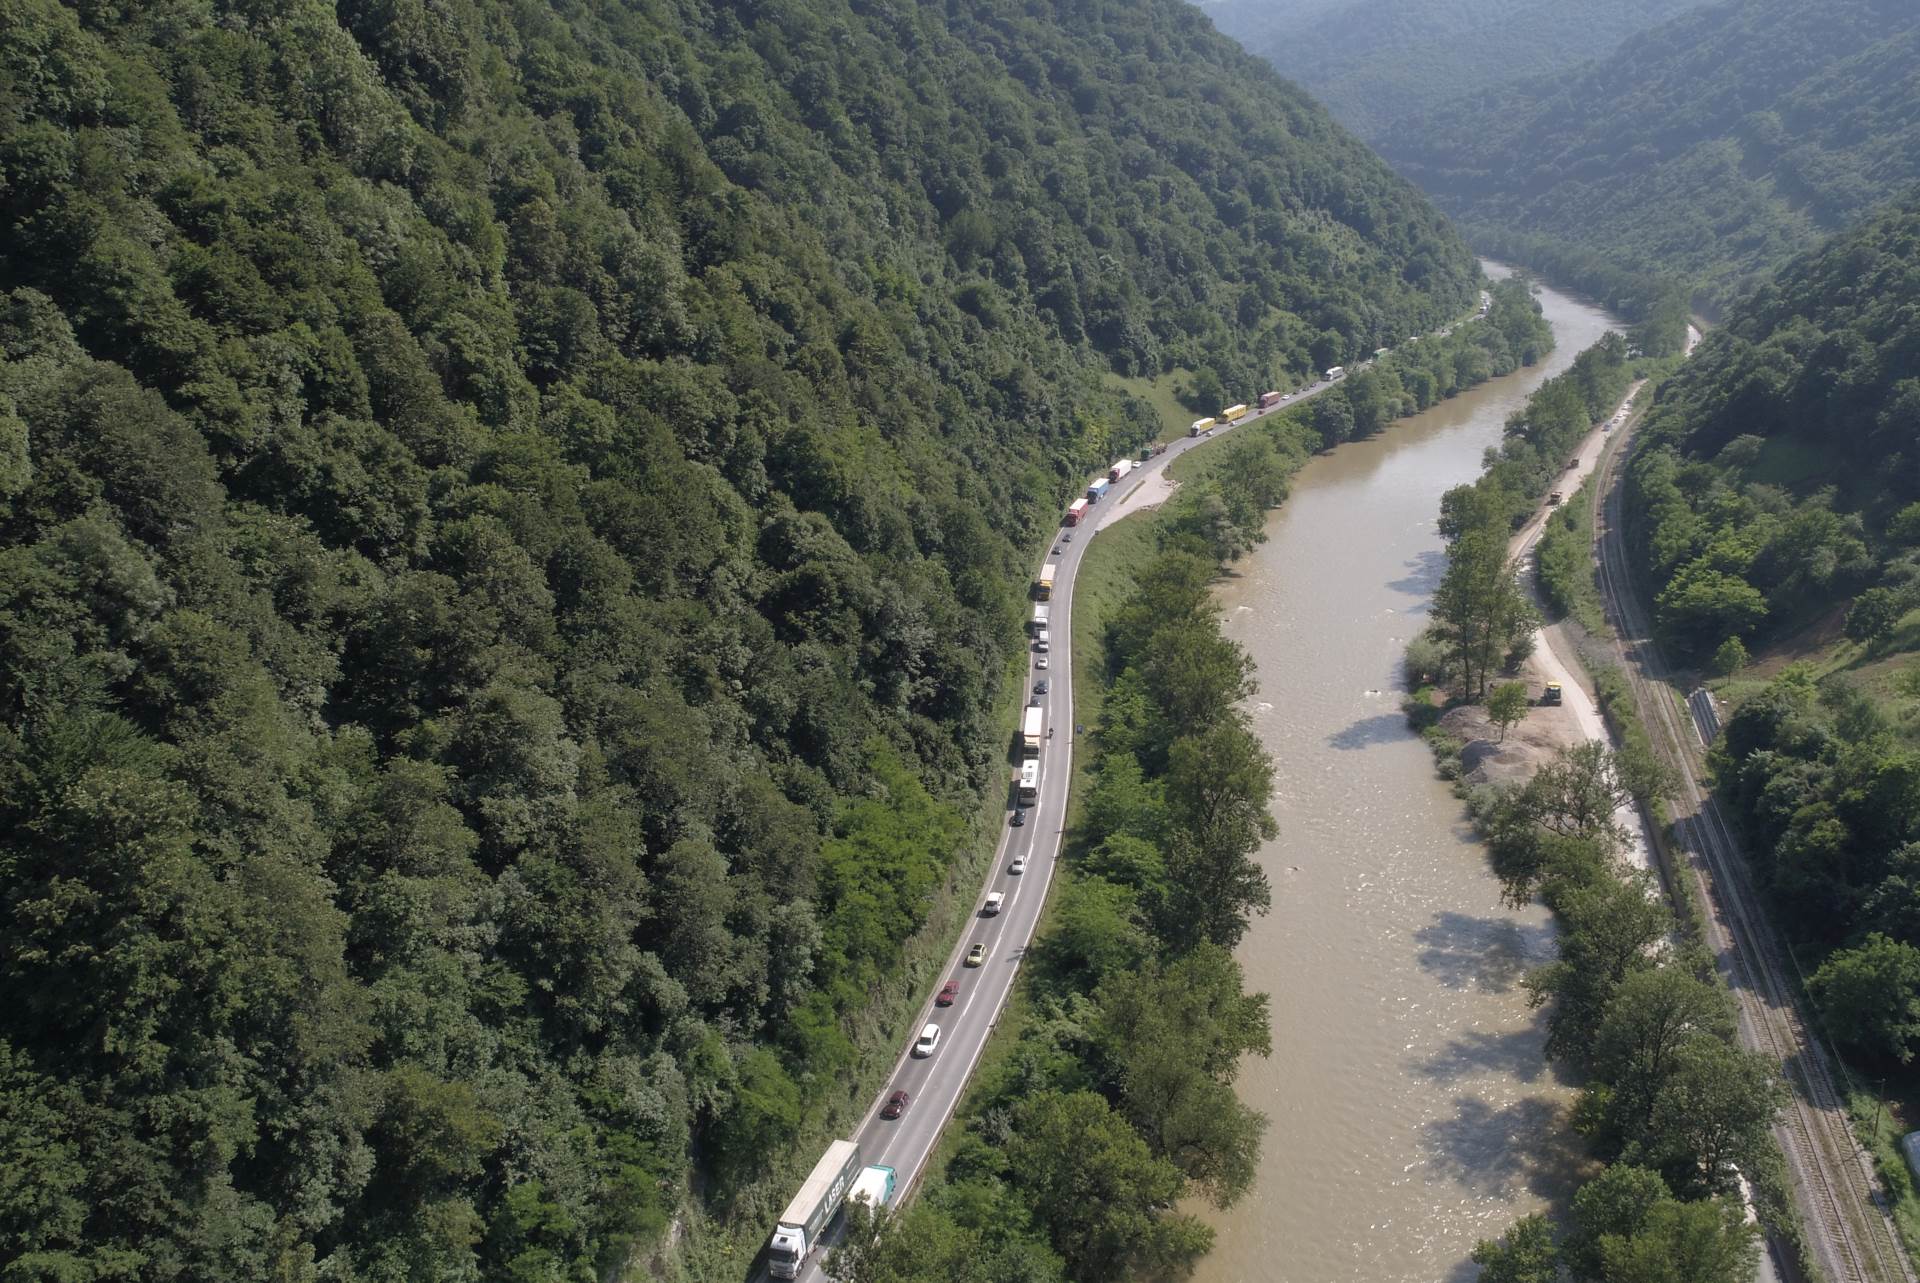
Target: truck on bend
pixel 1097 490
pixel 1233 412
pixel 1076 510
pixel 1199 426
pixel 798 1232
pixel 1120 469
pixel 1043 586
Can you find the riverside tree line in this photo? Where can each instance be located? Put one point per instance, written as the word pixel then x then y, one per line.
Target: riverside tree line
pixel 1672 1106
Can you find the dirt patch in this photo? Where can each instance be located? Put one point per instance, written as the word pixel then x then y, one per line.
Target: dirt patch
pixel 1809 641
pixel 1529 745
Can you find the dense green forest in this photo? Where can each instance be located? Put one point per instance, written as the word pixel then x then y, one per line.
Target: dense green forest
pixel 1709 149
pixel 1777 498
pixel 1778 471
pixel 511 525
pixel 1376 62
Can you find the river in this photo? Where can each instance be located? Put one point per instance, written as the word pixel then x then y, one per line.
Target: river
pixel 1412 1111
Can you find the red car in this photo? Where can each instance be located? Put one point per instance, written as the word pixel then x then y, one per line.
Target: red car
pixel 896 1105
pixel 948 992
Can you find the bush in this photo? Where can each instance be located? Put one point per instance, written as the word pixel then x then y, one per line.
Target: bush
pixel 1427 662
pixel 1731 657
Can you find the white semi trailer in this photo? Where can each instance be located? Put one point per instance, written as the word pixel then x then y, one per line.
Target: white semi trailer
pixel 812 1210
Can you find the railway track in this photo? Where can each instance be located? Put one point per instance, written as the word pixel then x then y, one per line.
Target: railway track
pixel 1850 1235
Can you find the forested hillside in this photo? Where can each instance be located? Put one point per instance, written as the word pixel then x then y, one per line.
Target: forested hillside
pixel 1779 489
pixel 1374 62
pixel 1711 148
pixel 511 525
pixel 1779 469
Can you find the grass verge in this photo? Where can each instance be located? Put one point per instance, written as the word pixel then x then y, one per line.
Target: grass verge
pixel 1162 394
pixel 1565 560
pixel 1878 1130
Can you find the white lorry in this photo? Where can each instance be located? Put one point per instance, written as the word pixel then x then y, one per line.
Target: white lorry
pixel 874 1187
pixel 798 1232
pixel 1032 730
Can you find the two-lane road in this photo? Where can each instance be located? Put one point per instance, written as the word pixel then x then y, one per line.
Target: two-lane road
pixel 934 1084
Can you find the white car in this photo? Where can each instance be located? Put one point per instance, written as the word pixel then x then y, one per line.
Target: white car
pixel 994 900
pixel 1040 663
pixel 928 1040
pixel 1019 864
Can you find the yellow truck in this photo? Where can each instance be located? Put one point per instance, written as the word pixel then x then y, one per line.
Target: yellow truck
pixel 1233 412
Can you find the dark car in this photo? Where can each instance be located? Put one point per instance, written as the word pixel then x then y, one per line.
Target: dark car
pixel 948 992
pixel 1019 818
pixel 1056 550
pixel 896 1105
pixel 1040 687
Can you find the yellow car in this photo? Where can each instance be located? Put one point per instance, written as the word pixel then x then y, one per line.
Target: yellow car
pixel 977 954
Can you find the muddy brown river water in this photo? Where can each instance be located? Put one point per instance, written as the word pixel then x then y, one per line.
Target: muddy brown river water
pixel 1412 1112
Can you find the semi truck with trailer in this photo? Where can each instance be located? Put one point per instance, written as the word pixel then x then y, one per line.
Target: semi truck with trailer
pixel 1032 730
pixel 1335 373
pixel 1097 490
pixel 1270 399
pixel 1040 613
pixel 1199 426
pixel 1076 510
pixel 1120 469
pixel 1233 412
pixel 798 1232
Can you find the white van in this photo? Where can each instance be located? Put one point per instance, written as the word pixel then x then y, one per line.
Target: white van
pixel 929 1039
pixel 994 900
pixel 1043 641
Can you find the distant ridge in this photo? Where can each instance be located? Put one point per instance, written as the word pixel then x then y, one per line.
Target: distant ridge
pixel 1709 149
pixel 1376 61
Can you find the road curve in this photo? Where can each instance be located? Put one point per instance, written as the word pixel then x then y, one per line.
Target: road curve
pixel 936 1083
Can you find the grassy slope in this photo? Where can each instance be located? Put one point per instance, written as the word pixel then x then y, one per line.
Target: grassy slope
pixel 1161 394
